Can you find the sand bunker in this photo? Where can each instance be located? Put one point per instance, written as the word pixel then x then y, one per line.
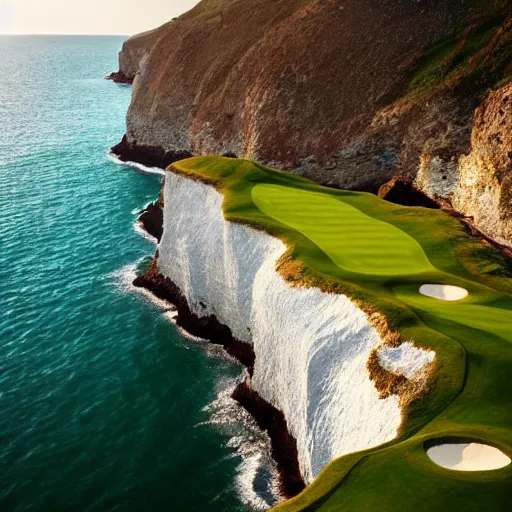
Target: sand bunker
pixel 468 457
pixel 443 291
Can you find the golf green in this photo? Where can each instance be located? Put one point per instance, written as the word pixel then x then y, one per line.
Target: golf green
pixel 353 240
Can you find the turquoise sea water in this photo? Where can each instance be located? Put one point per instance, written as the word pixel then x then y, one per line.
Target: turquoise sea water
pixel 103 403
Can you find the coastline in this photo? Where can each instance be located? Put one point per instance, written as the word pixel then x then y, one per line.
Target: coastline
pixel 154 160
pixel 268 418
pixel 149 156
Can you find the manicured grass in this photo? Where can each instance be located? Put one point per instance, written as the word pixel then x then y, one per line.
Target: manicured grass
pixel 379 254
pixel 353 240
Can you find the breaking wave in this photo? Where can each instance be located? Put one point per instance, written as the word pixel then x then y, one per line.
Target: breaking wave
pixel 135 165
pixel 257 479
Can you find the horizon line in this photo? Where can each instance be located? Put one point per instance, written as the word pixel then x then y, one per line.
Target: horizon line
pixel 62 34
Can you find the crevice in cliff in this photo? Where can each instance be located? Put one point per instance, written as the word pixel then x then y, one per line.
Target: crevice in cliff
pixel 402 191
pixel 150 156
pixel 268 418
pixel 473 231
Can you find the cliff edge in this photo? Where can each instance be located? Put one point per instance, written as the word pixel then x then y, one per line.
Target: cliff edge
pixel 134 54
pixel 375 335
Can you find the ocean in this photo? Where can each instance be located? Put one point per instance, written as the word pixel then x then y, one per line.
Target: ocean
pixel 104 403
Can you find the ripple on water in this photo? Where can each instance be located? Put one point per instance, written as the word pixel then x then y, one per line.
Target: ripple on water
pixel 103 399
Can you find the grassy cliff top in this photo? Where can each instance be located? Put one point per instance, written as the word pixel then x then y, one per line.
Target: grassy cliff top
pixel 379 254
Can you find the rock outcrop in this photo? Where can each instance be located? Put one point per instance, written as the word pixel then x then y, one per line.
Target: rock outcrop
pixel 134 54
pixel 484 191
pixel 349 93
pixel 152 219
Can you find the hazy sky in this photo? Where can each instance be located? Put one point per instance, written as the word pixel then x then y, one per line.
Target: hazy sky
pixel 87 16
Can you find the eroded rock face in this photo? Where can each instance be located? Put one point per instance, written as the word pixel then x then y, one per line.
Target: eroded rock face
pixel 478 182
pixel 134 54
pixel 152 219
pixel 279 81
pixel 402 191
pixel 484 190
pixel 321 88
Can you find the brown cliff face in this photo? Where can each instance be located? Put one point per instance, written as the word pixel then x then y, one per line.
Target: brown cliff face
pixel 485 175
pixel 347 92
pixel 134 54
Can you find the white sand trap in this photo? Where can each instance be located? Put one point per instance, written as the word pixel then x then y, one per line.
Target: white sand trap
pixel 443 291
pixel 468 457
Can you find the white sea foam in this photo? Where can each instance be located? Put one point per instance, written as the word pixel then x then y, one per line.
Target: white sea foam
pixel 257 478
pixel 246 480
pixel 123 280
pixel 138 211
pixel 139 229
pixel 135 165
pixel 311 347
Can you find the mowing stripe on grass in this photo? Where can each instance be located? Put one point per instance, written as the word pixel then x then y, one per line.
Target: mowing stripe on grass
pixel 353 240
pixel 494 320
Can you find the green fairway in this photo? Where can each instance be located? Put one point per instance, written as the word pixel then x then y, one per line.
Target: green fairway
pixel 494 320
pixel 359 243
pixel 379 254
pixel 353 240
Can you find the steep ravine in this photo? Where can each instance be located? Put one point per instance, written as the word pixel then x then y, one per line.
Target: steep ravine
pixel 306 351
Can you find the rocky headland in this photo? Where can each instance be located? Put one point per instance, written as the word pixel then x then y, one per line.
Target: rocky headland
pixel 363 358
pixel 411 101
pixel 350 94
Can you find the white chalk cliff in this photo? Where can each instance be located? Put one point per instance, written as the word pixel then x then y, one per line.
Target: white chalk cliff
pixel 311 347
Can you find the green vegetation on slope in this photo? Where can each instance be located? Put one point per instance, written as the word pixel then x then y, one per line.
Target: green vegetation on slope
pixel 379 254
pixel 479 57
